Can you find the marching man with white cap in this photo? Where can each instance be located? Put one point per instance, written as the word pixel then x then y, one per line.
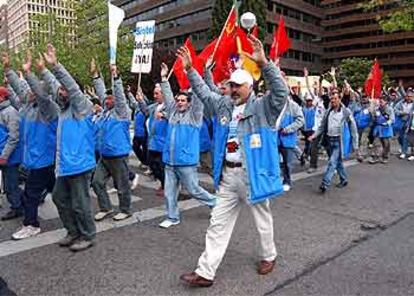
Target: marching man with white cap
pixel 245 161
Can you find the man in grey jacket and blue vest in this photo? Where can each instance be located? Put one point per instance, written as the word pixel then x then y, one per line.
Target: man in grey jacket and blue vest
pixel 75 159
pixel 115 149
pixel 181 155
pixel 246 162
pixel 39 119
pixel 338 129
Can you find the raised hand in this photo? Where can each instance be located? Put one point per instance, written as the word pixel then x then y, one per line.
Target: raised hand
pixel 114 70
pixel 258 54
pixel 40 63
pixel 5 59
pixel 94 68
pixel 28 62
pixel 50 55
pixel 164 71
pixel 140 95
pixel 210 63
pixel 185 56
pixel 332 72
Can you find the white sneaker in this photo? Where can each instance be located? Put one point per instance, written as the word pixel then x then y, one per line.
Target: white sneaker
pixel 286 187
pixel 26 232
pixel 167 223
pixel 102 215
pixel 411 158
pixel 134 182
pixel 148 172
pixel 121 216
pixel 402 156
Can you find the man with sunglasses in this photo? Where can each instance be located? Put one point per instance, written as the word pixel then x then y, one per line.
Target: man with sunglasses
pixel 334 127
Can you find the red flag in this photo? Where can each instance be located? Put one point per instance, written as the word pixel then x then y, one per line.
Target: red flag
pixel 178 67
pixel 226 47
pixel 372 85
pixel 228 31
pixel 281 41
pixel 206 52
pixel 255 31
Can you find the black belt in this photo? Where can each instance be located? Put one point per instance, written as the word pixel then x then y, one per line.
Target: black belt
pixel 334 138
pixel 233 165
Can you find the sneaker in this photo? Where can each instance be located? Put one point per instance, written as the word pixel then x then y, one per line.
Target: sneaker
pixel 148 172
pixel 167 223
pixel 81 245
pixel 411 158
pixel 12 214
pixel 112 190
pixel 402 156
pixel 67 240
pixel 121 216
pixel 134 182
pixel 311 170
pixel 102 215
pixel 323 188
pixel 286 187
pixel 342 184
pixel 26 232
pixel 385 161
pixel 373 160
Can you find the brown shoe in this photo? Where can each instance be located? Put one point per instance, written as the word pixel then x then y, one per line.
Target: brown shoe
pixel 265 267
pixel 159 192
pixel 194 280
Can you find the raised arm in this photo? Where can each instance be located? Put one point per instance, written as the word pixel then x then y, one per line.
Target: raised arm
pixel 98 82
pixel 208 77
pixel 120 105
pixel 13 98
pixel 14 81
pixel 209 98
pixel 81 106
pixel 166 89
pixel 275 100
pixel 47 107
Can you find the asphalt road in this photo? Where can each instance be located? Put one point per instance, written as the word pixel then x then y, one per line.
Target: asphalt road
pixel 354 241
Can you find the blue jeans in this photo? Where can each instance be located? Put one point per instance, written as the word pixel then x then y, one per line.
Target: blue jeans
pixel 11 186
pixel 402 140
pixel 287 155
pixel 188 177
pixel 335 162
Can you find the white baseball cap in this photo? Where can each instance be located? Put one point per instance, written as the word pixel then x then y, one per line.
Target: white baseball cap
pixel 240 77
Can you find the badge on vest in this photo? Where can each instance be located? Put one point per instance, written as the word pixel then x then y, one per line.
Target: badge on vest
pixel 366 111
pixel 224 120
pixel 255 141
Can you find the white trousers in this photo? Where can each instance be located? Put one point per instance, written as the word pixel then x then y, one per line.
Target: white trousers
pixel 232 195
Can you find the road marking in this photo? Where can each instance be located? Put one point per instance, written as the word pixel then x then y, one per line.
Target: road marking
pixel 11 247
pixel 48 210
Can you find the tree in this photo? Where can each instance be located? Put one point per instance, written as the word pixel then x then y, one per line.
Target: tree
pixel 77 43
pixel 356 71
pixel 222 8
pixel 401 18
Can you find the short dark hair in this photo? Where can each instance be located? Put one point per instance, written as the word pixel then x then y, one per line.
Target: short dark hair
pixel 185 93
